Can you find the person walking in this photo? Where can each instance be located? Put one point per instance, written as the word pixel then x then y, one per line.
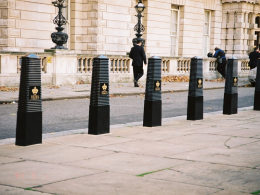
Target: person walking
pixel 221 59
pixel 139 58
pixel 253 56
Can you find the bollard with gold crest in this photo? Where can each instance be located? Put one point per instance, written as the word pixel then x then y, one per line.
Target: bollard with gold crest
pixel 257 88
pixel 153 100
pixel 99 109
pixel 195 97
pixel 29 114
pixel 231 85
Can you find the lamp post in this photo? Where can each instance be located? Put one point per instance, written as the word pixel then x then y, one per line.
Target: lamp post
pixel 59 37
pixel 139 28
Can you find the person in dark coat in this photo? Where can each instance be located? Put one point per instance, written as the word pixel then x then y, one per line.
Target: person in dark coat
pixel 221 59
pixel 253 56
pixel 139 58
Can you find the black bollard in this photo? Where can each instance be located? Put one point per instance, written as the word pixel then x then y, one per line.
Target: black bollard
pixel 231 84
pixel 99 109
pixel 257 88
pixel 195 98
pixel 29 114
pixel 153 99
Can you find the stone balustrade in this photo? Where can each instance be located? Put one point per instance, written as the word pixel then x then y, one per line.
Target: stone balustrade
pixel 61 67
pixel 244 66
pixel 119 65
pixel 85 64
pixel 183 66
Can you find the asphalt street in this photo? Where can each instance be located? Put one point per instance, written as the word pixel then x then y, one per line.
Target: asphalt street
pixel 64 115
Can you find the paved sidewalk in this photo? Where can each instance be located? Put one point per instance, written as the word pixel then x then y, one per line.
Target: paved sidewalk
pixel 218 155
pixel 83 90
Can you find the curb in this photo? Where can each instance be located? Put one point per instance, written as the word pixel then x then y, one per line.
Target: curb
pixel 123 94
pixel 84 131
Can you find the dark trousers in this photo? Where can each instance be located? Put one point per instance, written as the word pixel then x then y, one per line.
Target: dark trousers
pixel 138 72
pixel 222 67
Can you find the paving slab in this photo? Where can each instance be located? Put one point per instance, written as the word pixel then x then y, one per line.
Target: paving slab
pixel 58 153
pixel 220 176
pixel 125 131
pixel 251 125
pixel 9 149
pixel 158 135
pixel 7 190
pixel 28 174
pixel 224 123
pixel 209 140
pixel 235 156
pixel 126 163
pixel 230 192
pixel 248 133
pixel 85 140
pixel 216 130
pixel 4 160
pixel 181 127
pixel 115 184
pixel 151 148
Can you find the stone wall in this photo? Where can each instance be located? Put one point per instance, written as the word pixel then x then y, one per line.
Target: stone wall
pixel 26 25
pixel 63 67
pixel 238 27
pixel 106 26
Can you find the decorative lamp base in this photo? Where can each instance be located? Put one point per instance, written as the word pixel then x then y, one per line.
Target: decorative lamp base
pixel 99 120
pixel 29 128
pixel 195 108
pixel 135 41
pixel 152 113
pixel 59 47
pixel 230 103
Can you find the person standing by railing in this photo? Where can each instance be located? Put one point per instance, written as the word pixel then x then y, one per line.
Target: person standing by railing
pixel 139 58
pixel 221 59
pixel 253 56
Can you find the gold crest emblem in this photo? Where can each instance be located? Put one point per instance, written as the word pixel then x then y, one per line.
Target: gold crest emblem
pixel 35 92
pixel 104 89
pixel 157 86
pixel 200 83
pixel 235 81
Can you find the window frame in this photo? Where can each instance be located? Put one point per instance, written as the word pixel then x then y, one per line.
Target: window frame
pixel 177 32
pixel 204 53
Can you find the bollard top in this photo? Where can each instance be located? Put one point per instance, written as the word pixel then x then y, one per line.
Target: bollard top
pixel 197 57
pixel 31 55
pixel 155 57
pixel 101 57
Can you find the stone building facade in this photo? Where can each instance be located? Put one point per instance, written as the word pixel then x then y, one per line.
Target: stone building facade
pixel 173 28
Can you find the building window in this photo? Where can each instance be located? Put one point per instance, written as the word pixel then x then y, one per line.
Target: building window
pixel 206 33
pixel 174 30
